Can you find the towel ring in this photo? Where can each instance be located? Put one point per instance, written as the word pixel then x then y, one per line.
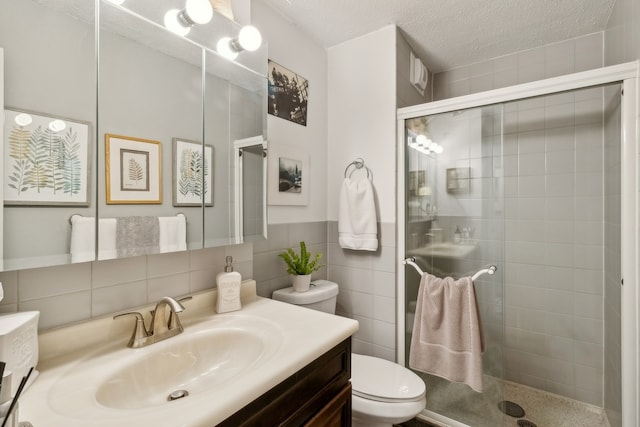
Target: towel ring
pixel 359 164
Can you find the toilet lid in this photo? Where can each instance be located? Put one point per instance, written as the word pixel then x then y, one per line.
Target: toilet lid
pixel 378 379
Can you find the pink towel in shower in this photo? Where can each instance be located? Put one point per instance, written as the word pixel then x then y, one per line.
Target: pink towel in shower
pixel 447 338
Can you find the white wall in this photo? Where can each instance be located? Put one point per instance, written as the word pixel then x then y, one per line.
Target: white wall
pixel 362 110
pixel 291 48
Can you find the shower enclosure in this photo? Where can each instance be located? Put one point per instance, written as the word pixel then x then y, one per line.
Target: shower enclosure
pixel 539 180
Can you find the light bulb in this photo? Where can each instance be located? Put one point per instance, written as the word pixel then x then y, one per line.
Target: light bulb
pixel 422 140
pixel 23 119
pixel 173 24
pixel 200 11
pixel 249 38
pixel 57 125
pixel 438 149
pixel 224 48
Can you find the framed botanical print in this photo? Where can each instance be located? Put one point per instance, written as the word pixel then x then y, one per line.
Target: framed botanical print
pixel 133 170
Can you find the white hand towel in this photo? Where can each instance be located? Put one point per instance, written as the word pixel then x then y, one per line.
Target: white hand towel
pixel 357 221
pixel 83 241
pixel 107 238
pixel 173 233
pixel 447 338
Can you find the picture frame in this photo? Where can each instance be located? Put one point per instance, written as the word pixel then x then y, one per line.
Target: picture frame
pixel 458 180
pixel 133 168
pixel 189 172
pixel 288 94
pixel 47 159
pixel 288 176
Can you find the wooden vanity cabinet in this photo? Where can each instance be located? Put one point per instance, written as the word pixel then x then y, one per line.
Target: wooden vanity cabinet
pixel 318 395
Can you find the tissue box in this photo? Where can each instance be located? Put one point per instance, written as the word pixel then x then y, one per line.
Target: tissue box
pixel 19 344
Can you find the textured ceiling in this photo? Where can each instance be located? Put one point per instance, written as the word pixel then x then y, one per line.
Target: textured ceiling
pixel 451 33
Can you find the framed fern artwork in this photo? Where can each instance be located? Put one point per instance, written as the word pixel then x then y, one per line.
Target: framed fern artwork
pixel 46 160
pixel 192 173
pixel 133 170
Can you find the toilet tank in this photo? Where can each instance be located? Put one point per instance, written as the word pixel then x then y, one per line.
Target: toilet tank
pixel 321 296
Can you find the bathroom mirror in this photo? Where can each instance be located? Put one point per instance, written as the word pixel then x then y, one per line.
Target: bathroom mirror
pixel 160 99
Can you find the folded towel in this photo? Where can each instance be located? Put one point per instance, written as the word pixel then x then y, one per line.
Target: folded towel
pixel 137 235
pixel 172 233
pixel 357 221
pixel 447 338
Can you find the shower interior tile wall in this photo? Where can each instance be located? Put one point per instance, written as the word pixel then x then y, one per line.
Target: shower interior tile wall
pixel 553 211
pixel 553 174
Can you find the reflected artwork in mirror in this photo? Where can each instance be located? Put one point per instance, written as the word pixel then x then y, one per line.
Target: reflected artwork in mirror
pixel 154 85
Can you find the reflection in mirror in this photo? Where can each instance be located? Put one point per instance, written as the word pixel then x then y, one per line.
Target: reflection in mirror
pixel 154 86
pixel 49 74
pixel 250 190
pixel 150 94
pixel 421 176
pixel 243 115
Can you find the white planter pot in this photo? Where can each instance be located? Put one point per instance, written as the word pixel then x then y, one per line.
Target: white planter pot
pixel 301 283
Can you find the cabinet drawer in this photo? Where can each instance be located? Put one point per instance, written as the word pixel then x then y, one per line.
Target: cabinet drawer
pixel 296 400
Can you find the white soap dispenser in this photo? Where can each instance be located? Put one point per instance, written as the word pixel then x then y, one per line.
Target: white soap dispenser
pixel 228 289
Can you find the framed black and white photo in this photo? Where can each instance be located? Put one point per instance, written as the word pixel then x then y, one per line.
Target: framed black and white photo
pixel 288 94
pixel 288 176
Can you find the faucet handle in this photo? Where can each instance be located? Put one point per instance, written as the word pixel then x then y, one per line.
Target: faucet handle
pixel 139 331
pixel 174 320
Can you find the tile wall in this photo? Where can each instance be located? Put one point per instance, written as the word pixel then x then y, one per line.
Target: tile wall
pixel 553 186
pixel 79 292
pixel 366 279
pixel 367 290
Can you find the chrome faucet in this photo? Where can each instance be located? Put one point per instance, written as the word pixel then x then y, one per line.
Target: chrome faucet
pixel 160 328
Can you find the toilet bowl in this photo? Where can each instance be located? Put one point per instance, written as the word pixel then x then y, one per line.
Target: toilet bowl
pixel 383 393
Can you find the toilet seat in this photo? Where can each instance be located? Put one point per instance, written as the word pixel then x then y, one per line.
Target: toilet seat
pixel 380 380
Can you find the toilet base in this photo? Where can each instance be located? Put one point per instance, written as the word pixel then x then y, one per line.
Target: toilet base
pixel 368 413
pixel 357 423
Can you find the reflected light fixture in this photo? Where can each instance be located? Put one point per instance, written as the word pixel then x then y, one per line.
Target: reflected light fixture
pixel 23 119
pixel 249 38
pixel 424 145
pixel 57 125
pixel 194 12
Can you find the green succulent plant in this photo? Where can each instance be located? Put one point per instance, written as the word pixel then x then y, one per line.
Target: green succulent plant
pixel 302 264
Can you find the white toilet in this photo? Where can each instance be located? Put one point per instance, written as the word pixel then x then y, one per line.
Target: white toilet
pixel 384 393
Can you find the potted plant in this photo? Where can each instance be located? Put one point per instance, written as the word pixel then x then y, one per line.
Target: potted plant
pixel 301 266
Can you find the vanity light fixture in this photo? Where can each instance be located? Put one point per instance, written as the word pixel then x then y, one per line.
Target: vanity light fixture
pixel 249 38
pixel 194 12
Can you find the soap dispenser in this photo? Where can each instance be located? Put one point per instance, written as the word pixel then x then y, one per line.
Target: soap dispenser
pixel 457 235
pixel 228 284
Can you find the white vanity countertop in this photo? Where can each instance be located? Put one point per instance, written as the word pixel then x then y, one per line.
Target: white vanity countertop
pixel 306 335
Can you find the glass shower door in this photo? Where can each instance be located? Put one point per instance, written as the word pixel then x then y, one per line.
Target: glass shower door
pixel 454 227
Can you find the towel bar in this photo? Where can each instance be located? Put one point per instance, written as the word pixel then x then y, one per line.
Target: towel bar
pixel 412 262
pixel 359 164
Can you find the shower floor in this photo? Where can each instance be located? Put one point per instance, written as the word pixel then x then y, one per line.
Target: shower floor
pixel 542 409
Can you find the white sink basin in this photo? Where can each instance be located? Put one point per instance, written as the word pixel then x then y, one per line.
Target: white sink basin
pixel 204 360
pixel 205 357
pixel 88 377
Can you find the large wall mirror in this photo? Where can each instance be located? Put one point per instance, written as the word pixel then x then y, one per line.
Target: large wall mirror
pixel 118 138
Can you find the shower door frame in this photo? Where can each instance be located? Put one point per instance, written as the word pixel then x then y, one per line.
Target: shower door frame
pixel 627 75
